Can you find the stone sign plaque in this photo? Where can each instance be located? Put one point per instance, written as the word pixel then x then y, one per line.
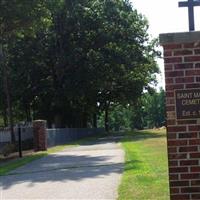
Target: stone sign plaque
pixel 188 104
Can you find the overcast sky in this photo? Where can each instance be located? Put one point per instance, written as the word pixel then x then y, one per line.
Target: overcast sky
pixel 165 16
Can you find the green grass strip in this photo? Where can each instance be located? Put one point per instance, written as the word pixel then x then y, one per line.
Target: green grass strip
pixel 146 173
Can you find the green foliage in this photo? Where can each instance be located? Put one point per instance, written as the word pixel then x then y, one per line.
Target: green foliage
pixel 20 16
pixel 120 118
pixel 71 60
pixel 154 108
pixel 147 112
pixel 1 122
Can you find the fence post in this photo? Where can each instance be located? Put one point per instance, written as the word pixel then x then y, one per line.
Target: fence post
pixel 40 135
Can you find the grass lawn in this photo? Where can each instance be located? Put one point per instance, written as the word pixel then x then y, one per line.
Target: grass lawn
pixel 146 173
pixel 11 165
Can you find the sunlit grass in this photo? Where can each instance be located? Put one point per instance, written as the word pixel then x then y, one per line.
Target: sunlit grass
pixel 145 175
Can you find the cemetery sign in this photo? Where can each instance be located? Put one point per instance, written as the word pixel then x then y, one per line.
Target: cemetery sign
pixel 187 104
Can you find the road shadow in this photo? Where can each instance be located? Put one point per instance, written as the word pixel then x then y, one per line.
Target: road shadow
pixel 62 168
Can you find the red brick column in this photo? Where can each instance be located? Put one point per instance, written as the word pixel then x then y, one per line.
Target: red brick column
pixel 182 75
pixel 40 135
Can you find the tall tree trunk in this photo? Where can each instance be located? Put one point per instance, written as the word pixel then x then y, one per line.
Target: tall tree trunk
pixel 84 120
pixel 5 117
pixel 4 112
pixel 58 120
pixel 28 112
pixel 106 122
pixel 94 120
pixel 7 93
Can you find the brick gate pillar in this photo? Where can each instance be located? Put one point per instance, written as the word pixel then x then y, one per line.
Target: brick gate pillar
pixel 182 77
pixel 40 135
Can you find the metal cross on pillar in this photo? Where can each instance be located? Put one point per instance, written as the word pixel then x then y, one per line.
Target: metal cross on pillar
pixel 190 4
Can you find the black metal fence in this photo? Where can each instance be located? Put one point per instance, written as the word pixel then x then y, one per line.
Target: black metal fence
pixel 23 136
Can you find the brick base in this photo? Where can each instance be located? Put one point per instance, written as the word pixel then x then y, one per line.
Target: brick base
pixel 182 71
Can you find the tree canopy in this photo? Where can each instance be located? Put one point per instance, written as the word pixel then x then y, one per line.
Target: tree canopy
pixel 69 60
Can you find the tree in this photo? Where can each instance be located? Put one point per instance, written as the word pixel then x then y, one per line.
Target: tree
pixel 155 109
pixel 147 112
pixel 109 56
pixel 90 56
pixel 150 110
pixel 3 114
pixel 16 18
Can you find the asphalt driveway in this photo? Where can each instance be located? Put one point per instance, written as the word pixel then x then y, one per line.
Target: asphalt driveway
pixel 91 171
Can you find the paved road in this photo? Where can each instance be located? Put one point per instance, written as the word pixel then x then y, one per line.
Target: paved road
pixel 91 171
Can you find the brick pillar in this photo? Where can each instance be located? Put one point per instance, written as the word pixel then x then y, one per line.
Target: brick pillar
pixel 182 77
pixel 40 135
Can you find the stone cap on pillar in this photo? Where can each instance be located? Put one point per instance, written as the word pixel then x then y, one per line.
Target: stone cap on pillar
pixel 179 37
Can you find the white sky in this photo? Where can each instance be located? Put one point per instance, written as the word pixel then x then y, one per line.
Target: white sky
pixel 165 16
